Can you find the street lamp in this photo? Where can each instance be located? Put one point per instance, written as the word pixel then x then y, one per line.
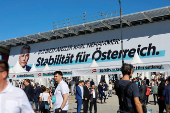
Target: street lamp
pixel 121 32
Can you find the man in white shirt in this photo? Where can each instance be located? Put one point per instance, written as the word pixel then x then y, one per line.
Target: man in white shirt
pixel 61 93
pixel 153 75
pixel 12 99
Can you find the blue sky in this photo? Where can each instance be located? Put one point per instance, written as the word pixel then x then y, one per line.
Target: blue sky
pixel 25 17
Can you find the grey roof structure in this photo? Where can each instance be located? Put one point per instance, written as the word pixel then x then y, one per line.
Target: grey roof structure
pixel 139 18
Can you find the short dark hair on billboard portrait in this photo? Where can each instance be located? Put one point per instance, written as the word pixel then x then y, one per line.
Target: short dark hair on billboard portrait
pixel 58 72
pixel 25 47
pixel 4 66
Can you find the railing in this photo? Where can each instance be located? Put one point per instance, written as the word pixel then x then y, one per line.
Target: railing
pixel 85 19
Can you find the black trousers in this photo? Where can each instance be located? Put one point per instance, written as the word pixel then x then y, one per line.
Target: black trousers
pixel 85 106
pixel 94 102
pixel 43 110
pixel 147 96
pixel 57 111
pixel 144 107
pixel 162 106
pixel 155 96
pixel 100 95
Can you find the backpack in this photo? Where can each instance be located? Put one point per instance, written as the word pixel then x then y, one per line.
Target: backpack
pixel 121 92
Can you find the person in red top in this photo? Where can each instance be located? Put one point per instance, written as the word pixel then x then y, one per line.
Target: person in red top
pixel 147 94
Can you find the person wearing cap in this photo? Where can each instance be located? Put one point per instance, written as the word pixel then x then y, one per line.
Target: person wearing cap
pixel 12 99
pixel 61 93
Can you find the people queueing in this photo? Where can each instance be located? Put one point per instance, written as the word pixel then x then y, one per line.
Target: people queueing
pixel 93 99
pixel 79 96
pixel 61 93
pixel 128 92
pixel 44 98
pixel 11 94
pixel 142 98
pixel 86 96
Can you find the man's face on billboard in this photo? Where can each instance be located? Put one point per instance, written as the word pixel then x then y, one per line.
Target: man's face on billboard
pixel 24 57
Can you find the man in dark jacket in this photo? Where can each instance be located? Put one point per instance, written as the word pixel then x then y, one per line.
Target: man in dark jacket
pixel 146 81
pixel 142 92
pixel 93 99
pixel 86 96
pixel 37 94
pixel 29 90
pixel 100 89
pixel 91 82
pixel 166 94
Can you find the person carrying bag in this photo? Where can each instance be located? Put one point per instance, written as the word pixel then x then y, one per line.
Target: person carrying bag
pixel 44 98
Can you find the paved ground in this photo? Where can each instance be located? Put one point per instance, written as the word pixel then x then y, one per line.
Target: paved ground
pixel 110 107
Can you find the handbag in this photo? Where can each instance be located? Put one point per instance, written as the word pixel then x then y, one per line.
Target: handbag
pixel 53 99
pixel 46 105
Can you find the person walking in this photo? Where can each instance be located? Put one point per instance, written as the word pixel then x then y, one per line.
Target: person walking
pixel 79 96
pixel 10 94
pixel 29 90
pixel 106 89
pixel 103 94
pixel 161 101
pixel 61 94
pixel 91 82
pixel 93 99
pixel 44 99
pixel 155 92
pixel 128 92
pixel 72 86
pixel 147 94
pixel 86 96
pixel 110 89
pixel 100 89
pixel 166 94
pixel 142 98
pixel 37 94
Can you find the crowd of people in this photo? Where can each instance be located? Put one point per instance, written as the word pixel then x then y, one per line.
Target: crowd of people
pixel 133 93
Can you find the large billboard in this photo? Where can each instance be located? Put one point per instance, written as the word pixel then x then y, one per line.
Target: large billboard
pixel 151 41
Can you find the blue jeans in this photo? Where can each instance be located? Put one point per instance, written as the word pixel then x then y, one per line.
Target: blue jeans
pixel 37 104
pixel 31 102
pixel 79 103
pixel 103 94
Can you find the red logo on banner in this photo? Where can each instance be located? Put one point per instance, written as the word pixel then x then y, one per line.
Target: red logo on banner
pixel 94 70
pixel 13 76
pixel 39 74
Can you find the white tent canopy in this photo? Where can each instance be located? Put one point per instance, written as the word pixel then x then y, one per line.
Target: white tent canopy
pixel 33 69
pixel 18 69
pixel 11 71
pixel 94 64
pixel 46 68
pixel 136 59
